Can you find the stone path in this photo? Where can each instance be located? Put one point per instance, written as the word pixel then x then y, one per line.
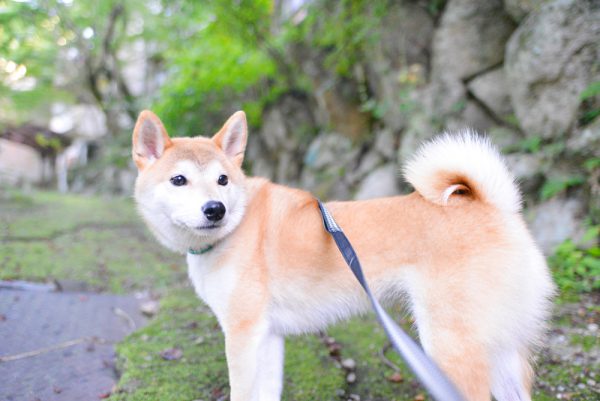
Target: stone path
pixel 60 346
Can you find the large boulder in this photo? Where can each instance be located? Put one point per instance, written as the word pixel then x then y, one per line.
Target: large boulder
pixel 380 183
pixel 287 127
pixel 337 97
pixel 550 59
pixel 469 40
pixel 557 220
pixel 518 9
pixel 326 163
pixel 399 59
pixel 490 89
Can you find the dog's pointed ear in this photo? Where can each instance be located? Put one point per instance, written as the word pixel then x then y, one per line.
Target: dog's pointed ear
pixel 150 139
pixel 233 136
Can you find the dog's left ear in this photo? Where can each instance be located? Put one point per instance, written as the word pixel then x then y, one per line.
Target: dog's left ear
pixel 233 136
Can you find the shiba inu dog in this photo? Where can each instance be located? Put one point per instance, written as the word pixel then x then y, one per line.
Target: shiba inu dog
pixel 456 252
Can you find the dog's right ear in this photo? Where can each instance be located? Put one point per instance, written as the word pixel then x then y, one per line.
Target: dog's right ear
pixel 150 139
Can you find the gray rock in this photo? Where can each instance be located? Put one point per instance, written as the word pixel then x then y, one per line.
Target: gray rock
pixel 419 129
pixel 550 59
pixel 518 9
pixel 504 138
pixel 349 364
pixel 328 149
pixel 380 183
pixel 470 39
pixel 524 166
pixel 385 143
pixel 286 123
pixel 368 163
pixel 471 116
pixel 586 140
pixel 326 163
pixel 399 59
pixel 527 170
pixel 556 220
pixel 491 90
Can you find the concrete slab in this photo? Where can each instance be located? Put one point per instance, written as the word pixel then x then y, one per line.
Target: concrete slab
pixel 60 346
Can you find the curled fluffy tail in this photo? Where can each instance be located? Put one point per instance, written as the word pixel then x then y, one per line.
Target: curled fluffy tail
pixel 463 164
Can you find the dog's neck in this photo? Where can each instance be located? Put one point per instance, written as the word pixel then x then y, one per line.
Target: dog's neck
pixel 201 251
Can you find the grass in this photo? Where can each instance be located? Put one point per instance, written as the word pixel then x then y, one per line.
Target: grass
pixel 310 372
pixel 102 242
pixel 98 241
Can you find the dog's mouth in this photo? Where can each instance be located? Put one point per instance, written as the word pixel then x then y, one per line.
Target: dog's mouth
pixel 207 227
pixel 199 228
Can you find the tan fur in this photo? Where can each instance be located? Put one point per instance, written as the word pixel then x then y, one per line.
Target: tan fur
pixel 458 263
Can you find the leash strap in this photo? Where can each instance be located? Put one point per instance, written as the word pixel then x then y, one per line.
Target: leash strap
pixel 430 375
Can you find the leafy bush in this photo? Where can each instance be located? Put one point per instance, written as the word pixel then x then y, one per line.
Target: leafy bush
pixel 577 270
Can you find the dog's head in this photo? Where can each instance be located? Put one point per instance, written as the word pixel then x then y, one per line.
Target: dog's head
pixel 190 191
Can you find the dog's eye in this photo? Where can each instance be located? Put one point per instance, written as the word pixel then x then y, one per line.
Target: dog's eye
pixel 223 180
pixel 178 180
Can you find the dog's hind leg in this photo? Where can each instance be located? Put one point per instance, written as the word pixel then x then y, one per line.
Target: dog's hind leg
pixel 463 360
pixel 449 332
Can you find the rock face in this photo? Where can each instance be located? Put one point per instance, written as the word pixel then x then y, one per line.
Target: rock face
pixel 380 183
pixel 551 58
pixel 491 90
pixel 469 40
pixel 401 57
pixel 518 9
pixel 513 70
pixel 554 221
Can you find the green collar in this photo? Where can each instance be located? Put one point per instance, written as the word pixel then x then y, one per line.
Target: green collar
pixel 201 250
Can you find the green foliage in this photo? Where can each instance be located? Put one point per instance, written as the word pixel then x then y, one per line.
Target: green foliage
pixel 211 72
pixel 588 95
pixel 374 107
pixel 591 91
pixel 592 163
pixel 340 29
pixel 531 145
pixel 52 143
pixel 577 270
pixel 552 187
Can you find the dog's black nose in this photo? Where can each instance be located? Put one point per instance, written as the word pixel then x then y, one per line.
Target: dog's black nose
pixel 213 210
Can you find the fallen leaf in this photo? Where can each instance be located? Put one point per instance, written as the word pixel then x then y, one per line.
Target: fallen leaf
pixel 171 354
pixel 396 378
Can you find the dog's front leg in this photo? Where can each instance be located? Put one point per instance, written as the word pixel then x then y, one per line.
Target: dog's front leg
pixel 270 367
pixel 255 362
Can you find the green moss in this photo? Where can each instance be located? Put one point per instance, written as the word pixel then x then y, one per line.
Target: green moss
pixel 310 373
pixel 201 373
pixel 101 242
pixel 587 343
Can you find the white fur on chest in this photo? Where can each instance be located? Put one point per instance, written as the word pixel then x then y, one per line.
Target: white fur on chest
pixel 213 285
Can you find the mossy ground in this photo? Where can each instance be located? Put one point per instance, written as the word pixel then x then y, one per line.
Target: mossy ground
pixel 102 242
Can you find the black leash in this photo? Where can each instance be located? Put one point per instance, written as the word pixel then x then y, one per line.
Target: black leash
pixel 430 375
